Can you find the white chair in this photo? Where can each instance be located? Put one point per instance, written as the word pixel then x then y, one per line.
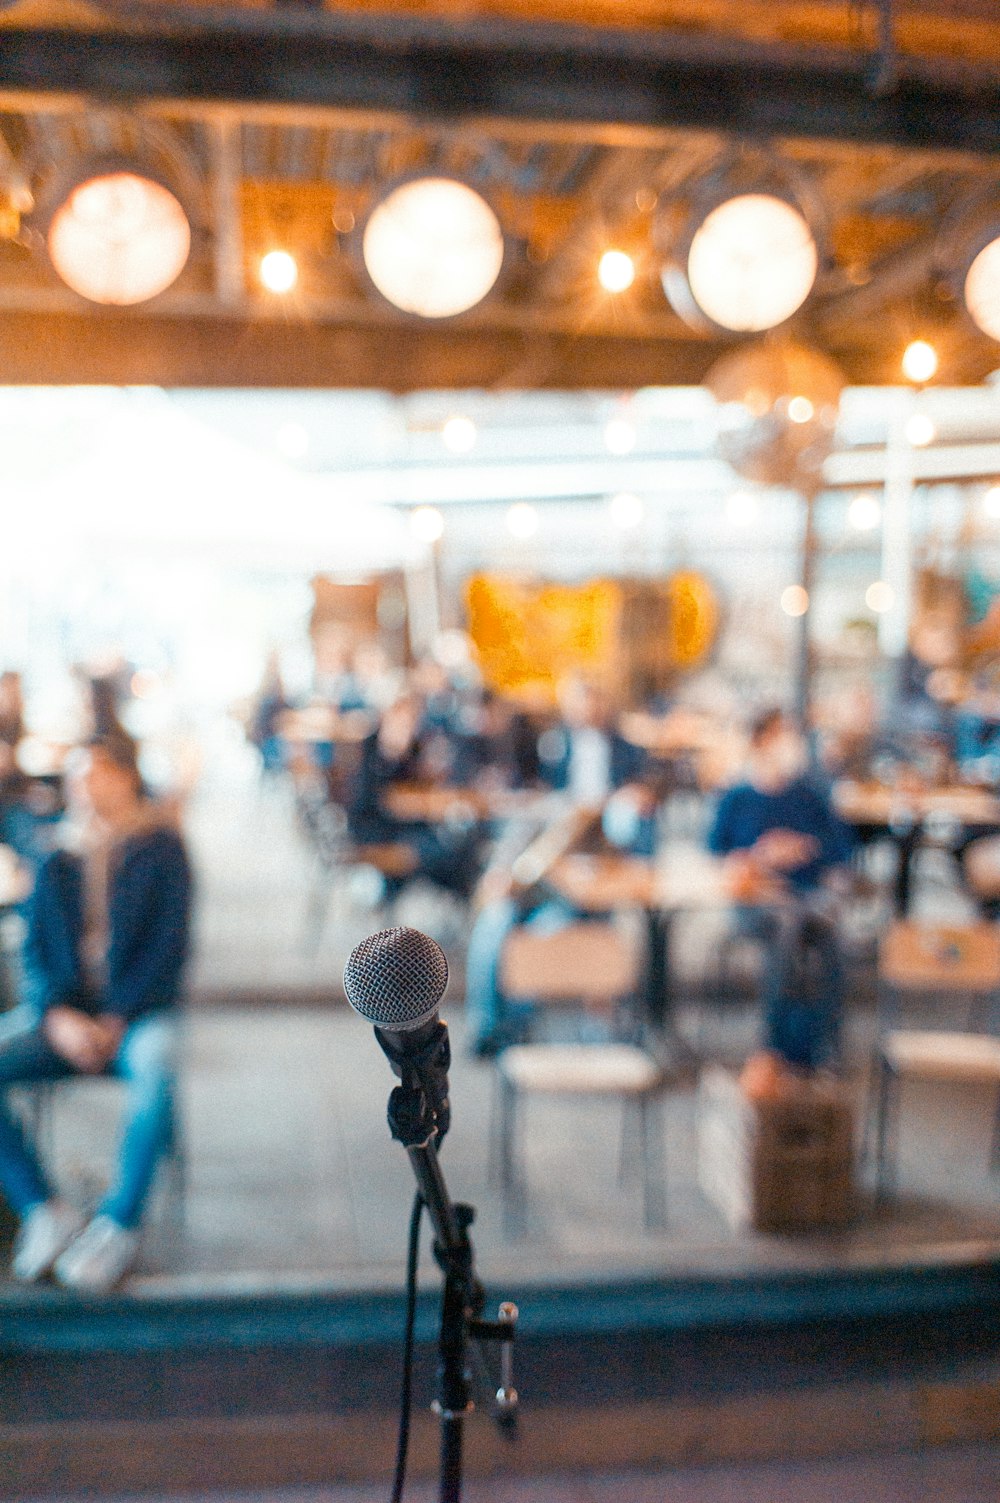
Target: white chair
pixel 595 969
pixel 953 972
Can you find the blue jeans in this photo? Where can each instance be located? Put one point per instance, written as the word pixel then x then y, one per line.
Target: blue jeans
pixel 805 1028
pixel 490 1017
pixel 146 1060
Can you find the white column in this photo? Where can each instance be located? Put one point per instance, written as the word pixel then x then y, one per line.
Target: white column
pixel 897 562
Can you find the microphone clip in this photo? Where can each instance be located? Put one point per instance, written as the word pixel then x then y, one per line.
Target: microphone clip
pixel 419 1109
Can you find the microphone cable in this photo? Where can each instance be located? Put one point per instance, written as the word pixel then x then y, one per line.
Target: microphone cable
pixel 406 1385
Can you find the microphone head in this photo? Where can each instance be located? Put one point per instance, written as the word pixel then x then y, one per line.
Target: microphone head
pixel 396 979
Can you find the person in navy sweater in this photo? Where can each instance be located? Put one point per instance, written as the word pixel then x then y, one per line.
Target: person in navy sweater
pixel 779 835
pixel 104 955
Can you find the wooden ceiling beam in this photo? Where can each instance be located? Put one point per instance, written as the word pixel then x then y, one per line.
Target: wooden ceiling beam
pixel 106 348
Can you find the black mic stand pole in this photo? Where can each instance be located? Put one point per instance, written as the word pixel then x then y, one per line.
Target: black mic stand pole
pixel 418 1118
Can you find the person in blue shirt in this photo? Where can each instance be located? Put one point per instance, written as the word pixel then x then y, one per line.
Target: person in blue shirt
pixel 786 850
pixel 105 950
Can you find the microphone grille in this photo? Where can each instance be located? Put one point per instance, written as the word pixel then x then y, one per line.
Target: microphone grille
pixel 396 978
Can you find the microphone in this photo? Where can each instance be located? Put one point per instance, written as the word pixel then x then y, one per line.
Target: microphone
pixel 395 979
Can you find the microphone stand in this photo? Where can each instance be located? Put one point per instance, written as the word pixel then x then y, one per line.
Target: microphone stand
pixel 418 1116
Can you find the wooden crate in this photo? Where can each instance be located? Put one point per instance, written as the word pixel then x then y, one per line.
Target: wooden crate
pixel 781 1165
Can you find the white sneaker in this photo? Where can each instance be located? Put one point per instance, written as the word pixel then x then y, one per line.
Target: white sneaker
pixel 99 1258
pixel 46 1231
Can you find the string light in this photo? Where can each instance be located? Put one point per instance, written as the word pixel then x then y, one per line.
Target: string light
pixel 920 361
pixel 616 271
pixel 427 524
pixel 795 600
pixel 880 597
pixel 279 271
pixel 864 513
pixel 920 430
pixel 801 410
pixel 459 434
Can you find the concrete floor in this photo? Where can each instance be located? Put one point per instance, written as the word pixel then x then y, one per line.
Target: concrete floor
pixel 292 1172
pixel 293 1176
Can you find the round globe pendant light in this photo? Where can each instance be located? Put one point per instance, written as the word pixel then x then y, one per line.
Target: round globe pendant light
pixel 982 289
pixel 119 237
pixel 752 262
pixel 433 247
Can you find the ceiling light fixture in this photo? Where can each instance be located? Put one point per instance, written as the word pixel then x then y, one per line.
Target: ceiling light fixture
pixel 118 235
pixel 433 247
pixel 982 289
pixel 740 245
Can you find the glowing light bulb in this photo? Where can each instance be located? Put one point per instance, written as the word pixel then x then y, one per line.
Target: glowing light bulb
pixel 459 435
pixel 433 247
pixel 279 271
pixel 920 430
pixel 991 502
pixel 864 513
pixel 427 524
pixel 616 271
pixel 752 262
pixel 619 436
pixel 801 410
pixel 795 600
pixel 880 597
pixel 522 521
pixel 920 361
pixel 626 510
pixel 982 290
pixel 119 239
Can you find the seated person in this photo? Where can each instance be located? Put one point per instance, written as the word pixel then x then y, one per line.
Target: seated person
pixel 270 703
pixel 394 753
pixel 609 802
pixel 106 944
pixel 588 759
pixel 783 846
pixel 487 745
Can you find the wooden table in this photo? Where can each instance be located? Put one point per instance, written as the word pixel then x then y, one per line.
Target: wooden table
pixel 425 803
pixel 688 880
pixel 907 812
pixel 323 725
